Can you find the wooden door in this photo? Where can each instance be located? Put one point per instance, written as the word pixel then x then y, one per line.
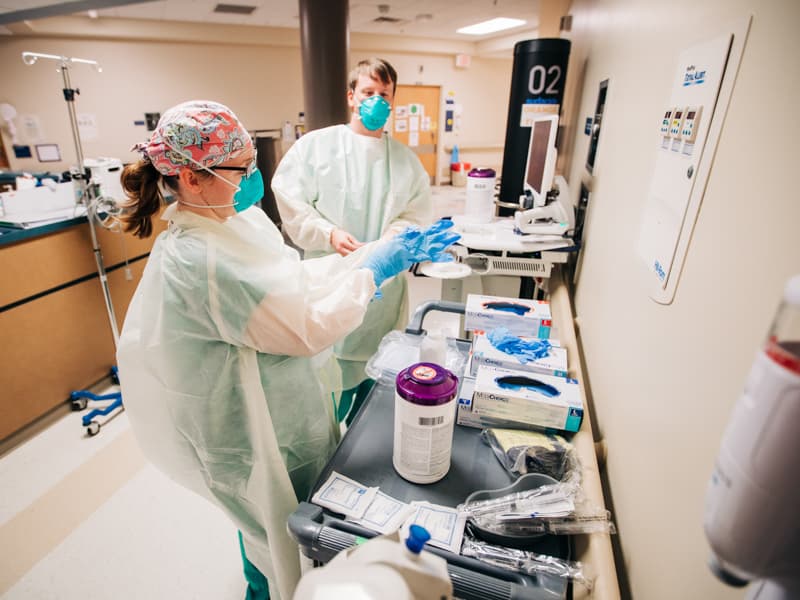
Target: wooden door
pixel 3 156
pixel 415 122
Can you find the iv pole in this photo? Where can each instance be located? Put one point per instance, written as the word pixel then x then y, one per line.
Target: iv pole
pixel 87 191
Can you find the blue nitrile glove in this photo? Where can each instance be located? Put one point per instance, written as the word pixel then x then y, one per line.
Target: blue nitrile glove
pixel 411 246
pixel 430 244
pixel 523 350
pixel 387 260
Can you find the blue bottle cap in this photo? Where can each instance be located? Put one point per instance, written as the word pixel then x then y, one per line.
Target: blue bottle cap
pixel 417 536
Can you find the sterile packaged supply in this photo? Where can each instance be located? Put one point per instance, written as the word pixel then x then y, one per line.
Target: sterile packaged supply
pixel 524 561
pixel 559 508
pixel 522 452
pixel 385 514
pixel 484 353
pixel 531 398
pixel 519 315
pixel 445 524
pixel 535 524
pixel 344 496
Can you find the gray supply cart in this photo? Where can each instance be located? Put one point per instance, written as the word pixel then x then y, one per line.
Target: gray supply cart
pixel 365 455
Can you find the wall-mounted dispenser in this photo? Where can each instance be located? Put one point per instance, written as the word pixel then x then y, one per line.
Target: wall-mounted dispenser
pixel 696 106
pixel 596 125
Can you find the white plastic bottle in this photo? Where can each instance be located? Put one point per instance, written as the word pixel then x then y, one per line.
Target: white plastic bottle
pixel 433 348
pixel 287 133
pixel 383 568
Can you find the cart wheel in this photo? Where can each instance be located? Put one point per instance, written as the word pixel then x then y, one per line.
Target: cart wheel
pixel 93 428
pixel 79 403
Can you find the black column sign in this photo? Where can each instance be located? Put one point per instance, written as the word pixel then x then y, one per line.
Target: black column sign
pixel 537 78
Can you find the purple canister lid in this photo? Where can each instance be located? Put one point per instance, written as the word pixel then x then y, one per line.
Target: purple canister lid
pixel 426 384
pixel 481 172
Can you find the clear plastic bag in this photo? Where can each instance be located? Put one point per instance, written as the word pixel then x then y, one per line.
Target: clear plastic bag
pixel 558 509
pixel 527 562
pixel 398 350
pixel 522 452
pixel 526 501
pixel 518 524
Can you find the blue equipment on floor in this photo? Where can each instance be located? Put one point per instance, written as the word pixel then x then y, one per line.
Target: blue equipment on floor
pixel 80 399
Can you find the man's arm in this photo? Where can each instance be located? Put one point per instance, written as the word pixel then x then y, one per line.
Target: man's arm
pixel 295 188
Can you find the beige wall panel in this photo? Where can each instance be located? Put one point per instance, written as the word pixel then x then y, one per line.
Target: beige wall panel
pixel 261 83
pixel 665 378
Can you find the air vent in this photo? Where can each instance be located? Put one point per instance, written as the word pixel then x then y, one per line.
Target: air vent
pixel 387 20
pixel 234 9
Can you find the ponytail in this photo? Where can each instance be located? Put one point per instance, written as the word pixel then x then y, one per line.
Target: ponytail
pixel 140 181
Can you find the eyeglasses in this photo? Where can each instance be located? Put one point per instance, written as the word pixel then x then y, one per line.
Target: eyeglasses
pixel 246 171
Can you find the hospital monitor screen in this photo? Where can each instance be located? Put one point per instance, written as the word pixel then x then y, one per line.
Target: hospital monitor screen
pixel 541 154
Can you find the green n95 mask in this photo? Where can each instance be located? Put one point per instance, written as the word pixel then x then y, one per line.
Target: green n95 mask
pixel 374 112
pixel 251 190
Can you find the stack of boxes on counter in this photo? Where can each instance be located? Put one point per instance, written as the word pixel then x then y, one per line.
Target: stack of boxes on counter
pixel 506 389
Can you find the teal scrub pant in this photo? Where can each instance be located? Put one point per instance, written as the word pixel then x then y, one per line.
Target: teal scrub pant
pixel 257 586
pixel 351 400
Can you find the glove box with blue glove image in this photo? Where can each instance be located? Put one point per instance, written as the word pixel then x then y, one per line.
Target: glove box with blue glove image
pixel 528 398
pixel 467 418
pixel 484 353
pixel 520 316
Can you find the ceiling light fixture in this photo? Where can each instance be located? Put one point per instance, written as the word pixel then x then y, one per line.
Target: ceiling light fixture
pixel 92 13
pixel 234 9
pixel 491 26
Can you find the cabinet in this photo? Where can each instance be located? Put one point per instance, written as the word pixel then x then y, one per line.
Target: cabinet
pixel 54 326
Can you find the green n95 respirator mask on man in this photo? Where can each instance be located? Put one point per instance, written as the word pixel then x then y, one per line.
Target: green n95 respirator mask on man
pixel 374 112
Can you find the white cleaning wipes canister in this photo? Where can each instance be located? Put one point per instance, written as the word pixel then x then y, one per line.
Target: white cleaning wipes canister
pixel 479 207
pixel 424 415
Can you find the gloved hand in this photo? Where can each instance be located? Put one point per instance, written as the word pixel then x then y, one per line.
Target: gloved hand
pixel 387 260
pixel 431 243
pixel 409 247
pixel 523 350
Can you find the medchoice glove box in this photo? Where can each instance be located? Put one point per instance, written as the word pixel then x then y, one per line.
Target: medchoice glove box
pixel 466 417
pixel 520 316
pixel 528 398
pixel 485 354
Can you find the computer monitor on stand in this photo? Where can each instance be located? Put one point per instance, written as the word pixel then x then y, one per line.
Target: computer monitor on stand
pixel 541 164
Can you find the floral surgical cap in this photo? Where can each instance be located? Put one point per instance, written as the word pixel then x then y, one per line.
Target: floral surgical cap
pixel 207 132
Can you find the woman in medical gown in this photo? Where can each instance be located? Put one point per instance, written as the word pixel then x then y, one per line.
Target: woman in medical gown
pixel 222 358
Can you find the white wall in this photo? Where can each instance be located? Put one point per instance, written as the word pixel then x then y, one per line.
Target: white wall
pixel 260 81
pixel 664 378
pixel 482 90
pixel 262 84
